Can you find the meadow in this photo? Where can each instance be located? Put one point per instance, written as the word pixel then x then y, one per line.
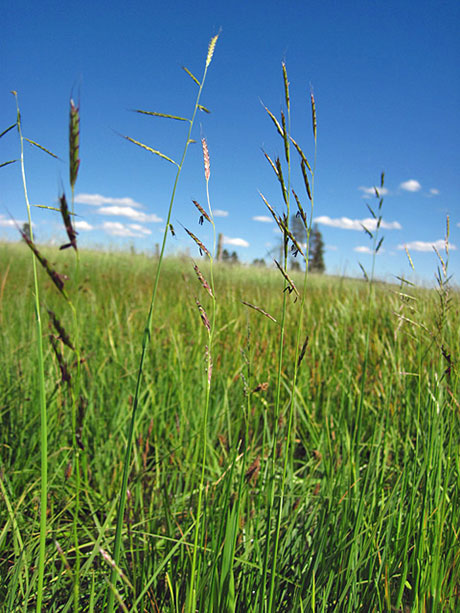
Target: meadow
pixel 179 434
pixel 366 518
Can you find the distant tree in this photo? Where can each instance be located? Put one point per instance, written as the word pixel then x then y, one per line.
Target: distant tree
pixel 259 262
pixel 316 257
pixel 26 230
pixel 229 258
pixel 298 230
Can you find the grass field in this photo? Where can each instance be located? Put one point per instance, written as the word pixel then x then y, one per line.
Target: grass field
pixel 370 512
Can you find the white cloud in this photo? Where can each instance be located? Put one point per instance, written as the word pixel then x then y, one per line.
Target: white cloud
pixel 411 186
pixel 115 228
pixel 138 228
pixel 370 191
pixel 262 218
pixel 364 249
pixel 426 245
pixel 220 213
pixel 434 192
pixel 127 211
pixel 345 223
pixel 83 225
pixel 99 200
pixel 331 248
pixel 8 223
pixel 237 242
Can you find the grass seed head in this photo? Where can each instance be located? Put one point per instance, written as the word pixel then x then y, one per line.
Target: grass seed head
pixel 71 233
pixel 286 87
pixel 204 317
pixel 198 242
pixel 57 278
pixel 74 142
pixel 202 211
pixel 212 46
pixel 313 113
pixel 60 330
pixel 203 281
pixel 207 166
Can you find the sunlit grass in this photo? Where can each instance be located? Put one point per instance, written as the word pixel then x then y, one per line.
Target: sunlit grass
pixel 408 447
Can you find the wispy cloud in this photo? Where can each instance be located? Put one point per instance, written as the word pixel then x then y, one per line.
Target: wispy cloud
pixel 115 228
pixel 426 245
pixel 411 186
pixel 434 192
pixel 262 218
pixel 99 200
pixel 345 223
pixel 237 242
pixel 8 223
pixel 83 225
pixel 331 248
pixel 370 191
pixel 138 228
pixel 364 249
pixel 127 211
pixel 220 213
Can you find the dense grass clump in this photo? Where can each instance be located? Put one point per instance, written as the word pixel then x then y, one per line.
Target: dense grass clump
pixel 371 510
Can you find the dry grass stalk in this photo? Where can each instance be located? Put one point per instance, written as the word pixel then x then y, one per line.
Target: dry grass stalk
pixel 74 142
pixel 150 150
pixel 279 174
pixel 291 285
pixel 285 137
pixel 300 152
pixel 305 179
pixel 191 75
pixel 276 122
pixel 276 217
pixel 259 310
pixel 300 211
pixel 409 258
pixel 270 161
pixel 165 115
pixel 296 248
pixel 32 142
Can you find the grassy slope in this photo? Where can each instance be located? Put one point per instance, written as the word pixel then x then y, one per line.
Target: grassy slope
pixel 367 523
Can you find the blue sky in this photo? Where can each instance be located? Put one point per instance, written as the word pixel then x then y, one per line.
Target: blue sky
pixel 386 84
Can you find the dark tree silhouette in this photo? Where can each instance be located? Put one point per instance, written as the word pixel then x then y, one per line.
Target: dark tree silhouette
pixel 316 257
pixel 26 230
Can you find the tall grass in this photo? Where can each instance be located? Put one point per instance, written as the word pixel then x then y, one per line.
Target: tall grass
pixel 276 441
